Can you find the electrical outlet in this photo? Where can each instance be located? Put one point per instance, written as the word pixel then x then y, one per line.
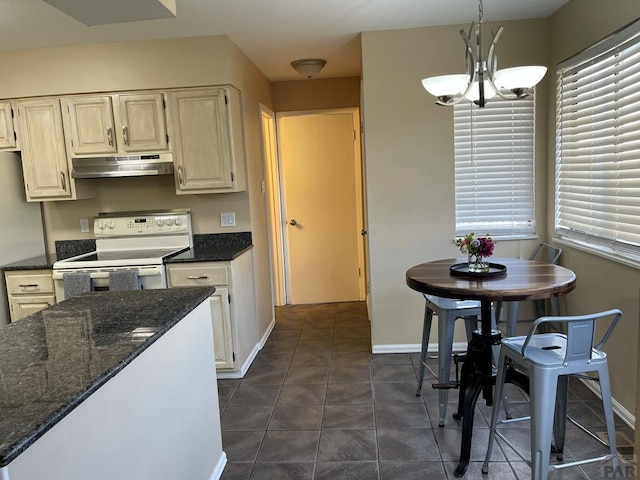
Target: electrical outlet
pixel 228 219
pixel 84 225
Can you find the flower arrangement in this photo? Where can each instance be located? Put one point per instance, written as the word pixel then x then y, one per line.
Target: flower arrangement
pixel 477 249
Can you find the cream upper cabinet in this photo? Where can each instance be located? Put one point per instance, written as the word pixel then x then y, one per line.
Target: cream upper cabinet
pixel 8 138
pixel 140 122
pixel 115 124
pixel 44 159
pixel 208 145
pixel 89 126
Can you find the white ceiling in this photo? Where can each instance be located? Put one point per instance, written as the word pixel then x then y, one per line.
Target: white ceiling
pixel 272 33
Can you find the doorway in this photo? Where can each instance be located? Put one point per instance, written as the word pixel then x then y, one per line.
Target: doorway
pixel 315 204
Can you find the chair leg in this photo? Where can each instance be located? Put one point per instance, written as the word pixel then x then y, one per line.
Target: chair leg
pixel 500 377
pixel 543 395
pixel 607 404
pixel 446 325
pixel 555 306
pixel 426 331
pixel 512 318
pixel 560 417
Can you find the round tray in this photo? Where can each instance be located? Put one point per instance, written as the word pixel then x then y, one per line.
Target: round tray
pixel 462 270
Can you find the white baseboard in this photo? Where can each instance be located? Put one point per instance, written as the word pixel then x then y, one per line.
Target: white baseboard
pixel 245 366
pixel 625 415
pixel 217 472
pixel 265 337
pixel 414 348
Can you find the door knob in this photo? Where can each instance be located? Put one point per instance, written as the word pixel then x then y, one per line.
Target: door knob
pixel 293 222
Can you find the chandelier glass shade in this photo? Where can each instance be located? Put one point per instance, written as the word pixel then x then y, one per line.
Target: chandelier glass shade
pixel 482 80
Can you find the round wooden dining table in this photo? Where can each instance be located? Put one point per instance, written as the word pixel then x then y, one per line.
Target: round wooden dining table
pixel 509 279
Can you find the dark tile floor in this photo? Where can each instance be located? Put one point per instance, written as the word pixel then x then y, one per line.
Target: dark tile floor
pixel 316 404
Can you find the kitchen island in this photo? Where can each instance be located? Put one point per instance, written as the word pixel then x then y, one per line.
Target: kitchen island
pixel 112 385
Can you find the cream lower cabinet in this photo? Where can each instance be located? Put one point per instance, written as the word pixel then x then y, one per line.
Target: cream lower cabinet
pixel 235 331
pixel 29 291
pixel 44 158
pixel 208 143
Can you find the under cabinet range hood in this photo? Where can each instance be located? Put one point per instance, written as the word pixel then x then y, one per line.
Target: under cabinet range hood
pixel 123 166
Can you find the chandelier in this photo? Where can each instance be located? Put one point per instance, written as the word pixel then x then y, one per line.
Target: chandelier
pixel 482 80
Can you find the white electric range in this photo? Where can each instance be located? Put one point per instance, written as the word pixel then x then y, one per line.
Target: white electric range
pixel 139 241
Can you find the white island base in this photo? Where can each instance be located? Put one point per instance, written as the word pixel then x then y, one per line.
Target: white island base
pixel 157 419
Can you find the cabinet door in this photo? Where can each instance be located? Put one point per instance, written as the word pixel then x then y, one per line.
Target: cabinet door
pixel 44 159
pixel 222 334
pixel 141 123
pixel 7 130
pixel 201 137
pixel 23 306
pixel 89 126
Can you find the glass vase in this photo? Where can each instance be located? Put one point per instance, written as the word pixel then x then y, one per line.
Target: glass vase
pixel 477 264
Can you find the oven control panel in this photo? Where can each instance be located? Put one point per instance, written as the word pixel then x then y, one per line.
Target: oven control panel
pixel 143 224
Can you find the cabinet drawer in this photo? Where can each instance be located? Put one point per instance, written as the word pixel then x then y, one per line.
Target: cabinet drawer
pixel 193 275
pixel 29 284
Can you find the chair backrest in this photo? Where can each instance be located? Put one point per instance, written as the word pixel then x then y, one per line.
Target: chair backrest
pixel 580 333
pixel 546 253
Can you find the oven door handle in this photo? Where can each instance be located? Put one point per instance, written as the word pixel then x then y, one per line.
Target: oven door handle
pixel 142 272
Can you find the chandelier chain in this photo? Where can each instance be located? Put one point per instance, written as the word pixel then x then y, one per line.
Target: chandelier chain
pixel 480 11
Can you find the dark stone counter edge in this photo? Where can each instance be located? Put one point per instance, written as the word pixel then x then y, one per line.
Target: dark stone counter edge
pixel 207 257
pixel 11 452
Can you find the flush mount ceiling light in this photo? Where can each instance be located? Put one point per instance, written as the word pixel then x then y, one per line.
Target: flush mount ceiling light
pixel 308 67
pixel 482 80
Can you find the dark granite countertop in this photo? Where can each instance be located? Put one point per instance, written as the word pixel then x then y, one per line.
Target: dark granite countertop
pixel 53 360
pixel 207 247
pixel 215 247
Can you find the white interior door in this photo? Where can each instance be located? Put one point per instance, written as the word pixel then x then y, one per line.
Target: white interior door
pixel 321 186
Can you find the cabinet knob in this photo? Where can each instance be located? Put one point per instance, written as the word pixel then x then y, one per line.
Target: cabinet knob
pixel 125 135
pixel 292 222
pixel 110 136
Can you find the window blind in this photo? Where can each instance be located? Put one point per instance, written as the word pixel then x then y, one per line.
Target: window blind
pixel 597 194
pixel 494 167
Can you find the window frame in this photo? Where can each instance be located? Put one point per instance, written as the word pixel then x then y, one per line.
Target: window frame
pixel 610 147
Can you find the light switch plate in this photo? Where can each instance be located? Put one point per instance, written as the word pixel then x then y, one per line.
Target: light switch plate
pixel 84 225
pixel 228 219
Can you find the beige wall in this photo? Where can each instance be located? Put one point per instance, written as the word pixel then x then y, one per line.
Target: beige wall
pixel 151 65
pixel 409 162
pixel 601 283
pixel 409 173
pixel 316 94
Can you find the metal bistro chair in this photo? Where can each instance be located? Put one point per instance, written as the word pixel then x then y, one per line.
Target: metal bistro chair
pixel 448 311
pixel 548 360
pixel 543 253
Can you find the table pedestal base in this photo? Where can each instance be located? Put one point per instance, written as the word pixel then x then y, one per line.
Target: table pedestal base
pixel 477 376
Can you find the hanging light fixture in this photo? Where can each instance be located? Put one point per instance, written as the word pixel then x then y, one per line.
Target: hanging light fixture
pixel 482 80
pixel 308 67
